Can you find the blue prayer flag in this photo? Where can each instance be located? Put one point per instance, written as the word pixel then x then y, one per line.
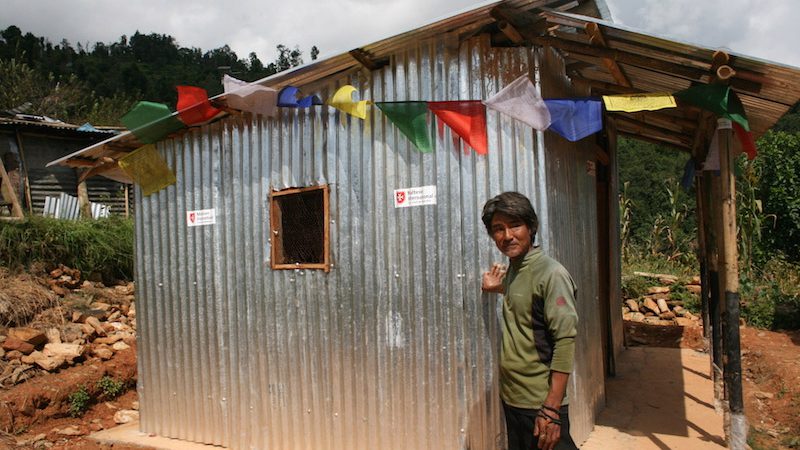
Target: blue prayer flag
pixel 574 119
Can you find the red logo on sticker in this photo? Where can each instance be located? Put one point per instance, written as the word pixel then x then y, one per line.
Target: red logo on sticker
pixel 400 197
pixel 561 301
pixel 191 217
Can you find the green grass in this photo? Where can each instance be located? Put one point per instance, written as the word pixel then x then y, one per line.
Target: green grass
pixel 104 245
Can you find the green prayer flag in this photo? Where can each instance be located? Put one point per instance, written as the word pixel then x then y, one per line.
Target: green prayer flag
pixel 412 120
pixel 150 121
pixel 717 98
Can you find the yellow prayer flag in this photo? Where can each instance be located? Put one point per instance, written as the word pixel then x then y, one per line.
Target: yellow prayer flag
pixel 343 101
pixel 147 169
pixel 639 102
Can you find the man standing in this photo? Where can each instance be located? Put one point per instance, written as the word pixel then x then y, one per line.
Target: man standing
pixel 539 325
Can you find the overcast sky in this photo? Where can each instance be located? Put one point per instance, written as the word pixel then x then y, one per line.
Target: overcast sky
pixel 760 28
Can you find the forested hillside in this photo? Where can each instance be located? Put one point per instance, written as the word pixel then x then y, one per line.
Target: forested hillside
pixel 98 83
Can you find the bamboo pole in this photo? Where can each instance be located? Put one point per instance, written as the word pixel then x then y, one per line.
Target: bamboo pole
pixel 732 364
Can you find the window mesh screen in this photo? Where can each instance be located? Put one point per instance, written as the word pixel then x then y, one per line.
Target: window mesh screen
pixel 302 228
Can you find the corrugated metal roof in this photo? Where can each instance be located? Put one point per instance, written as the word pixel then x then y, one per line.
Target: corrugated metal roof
pixel 651 63
pixel 50 125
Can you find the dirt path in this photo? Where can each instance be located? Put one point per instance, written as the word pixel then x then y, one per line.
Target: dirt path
pixel 771 377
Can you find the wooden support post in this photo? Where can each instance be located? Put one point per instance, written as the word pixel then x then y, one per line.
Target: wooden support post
pixel 732 363
pixel 702 254
pixel 84 206
pixel 8 193
pixel 26 182
pixel 710 188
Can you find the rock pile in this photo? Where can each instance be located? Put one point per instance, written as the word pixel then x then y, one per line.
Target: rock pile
pixel 661 304
pixel 96 331
pixel 63 279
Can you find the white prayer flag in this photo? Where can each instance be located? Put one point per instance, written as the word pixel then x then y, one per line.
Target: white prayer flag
pixel 521 101
pixel 254 98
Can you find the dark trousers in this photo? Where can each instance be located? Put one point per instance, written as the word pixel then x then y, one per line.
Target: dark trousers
pixel 519 426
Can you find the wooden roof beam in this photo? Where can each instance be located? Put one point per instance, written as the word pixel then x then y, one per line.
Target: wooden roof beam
pixel 654 131
pixel 596 38
pixel 603 86
pixel 653 140
pixel 511 33
pixel 660 119
pixel 367 60
pixel 104 164
pixel 633 59
pixel 80 163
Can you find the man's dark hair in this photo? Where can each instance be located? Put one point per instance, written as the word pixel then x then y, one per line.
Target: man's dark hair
pixel 512 204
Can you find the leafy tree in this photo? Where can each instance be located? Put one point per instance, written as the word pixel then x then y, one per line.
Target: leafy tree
pixel 95 82
pixel 19 84
pixel 778 164
pixel 652 173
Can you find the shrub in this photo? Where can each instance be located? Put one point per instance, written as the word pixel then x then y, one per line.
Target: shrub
pixel 678 291
pixel 78 402
pixel 635 286
pixel 110 388
pixel 772 299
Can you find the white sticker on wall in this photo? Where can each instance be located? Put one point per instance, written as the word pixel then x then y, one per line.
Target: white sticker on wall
pixel 200 217
pixel 415 196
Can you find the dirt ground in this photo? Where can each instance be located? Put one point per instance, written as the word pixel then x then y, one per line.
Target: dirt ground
pixel 34 413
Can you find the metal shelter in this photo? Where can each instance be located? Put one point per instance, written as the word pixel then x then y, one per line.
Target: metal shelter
pixel 234 165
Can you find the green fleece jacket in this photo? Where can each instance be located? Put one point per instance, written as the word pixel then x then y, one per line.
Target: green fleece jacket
pixel 539 326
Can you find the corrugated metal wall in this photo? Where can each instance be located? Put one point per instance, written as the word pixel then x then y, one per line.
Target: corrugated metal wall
pixel 572 200
pixel 395 347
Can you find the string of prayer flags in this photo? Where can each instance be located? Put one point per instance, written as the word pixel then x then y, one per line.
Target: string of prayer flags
pixel 343 101
pixel 150 121
pixel 147 169
pixel 250 97
pixel 467 119
pixel 522 101
pixel 288 98
pixel 639 102
pixel 193 105
pixel 411 118
pixel 574 119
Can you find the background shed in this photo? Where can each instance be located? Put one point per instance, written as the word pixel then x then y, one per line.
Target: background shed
pixel 36 141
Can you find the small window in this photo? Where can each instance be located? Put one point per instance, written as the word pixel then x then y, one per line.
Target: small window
pixel 299 221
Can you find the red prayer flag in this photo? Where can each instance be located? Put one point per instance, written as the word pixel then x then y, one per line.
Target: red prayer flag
pixel 746 138
pixel 467 119
pixel 193 105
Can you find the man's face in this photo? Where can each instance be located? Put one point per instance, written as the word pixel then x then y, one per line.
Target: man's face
pixel 511 235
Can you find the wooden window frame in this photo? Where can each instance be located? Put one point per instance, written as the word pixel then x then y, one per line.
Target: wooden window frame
pixel 276 247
